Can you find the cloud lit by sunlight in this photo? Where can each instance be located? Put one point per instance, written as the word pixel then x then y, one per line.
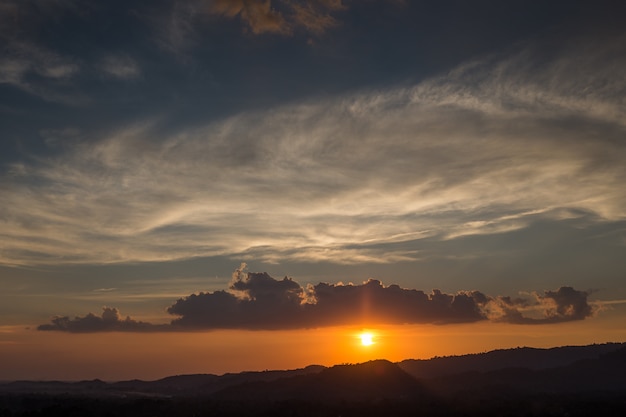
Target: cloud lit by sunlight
pixel 257 301
pixel 345 180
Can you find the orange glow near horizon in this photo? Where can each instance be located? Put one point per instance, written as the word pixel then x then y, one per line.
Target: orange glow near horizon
pixel 114 356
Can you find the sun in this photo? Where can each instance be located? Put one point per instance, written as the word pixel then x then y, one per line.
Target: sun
pixel 367 338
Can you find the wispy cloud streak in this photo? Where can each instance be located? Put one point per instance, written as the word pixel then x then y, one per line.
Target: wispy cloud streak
pixel 39 71
pixel 485 149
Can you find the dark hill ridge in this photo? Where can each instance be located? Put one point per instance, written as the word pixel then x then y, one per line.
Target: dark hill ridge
pixel 584 387
pixel 522 368
pixel 177 385
pixel 370 381
pixel 606 373
pixel 204 384
pixel 525 357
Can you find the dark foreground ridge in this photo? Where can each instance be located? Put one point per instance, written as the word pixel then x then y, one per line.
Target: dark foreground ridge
pixel 573 381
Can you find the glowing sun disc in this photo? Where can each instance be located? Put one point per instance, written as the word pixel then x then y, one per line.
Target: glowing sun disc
pixel 367 339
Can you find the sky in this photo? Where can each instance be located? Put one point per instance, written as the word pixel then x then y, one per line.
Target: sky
pixel 227 185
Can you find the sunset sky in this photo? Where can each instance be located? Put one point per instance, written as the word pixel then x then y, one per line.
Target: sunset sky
pixel 210 186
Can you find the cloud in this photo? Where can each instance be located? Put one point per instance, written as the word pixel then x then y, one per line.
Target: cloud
pixel 109 321
pixel 39 71
pixel 258 301
pixel 22 59
pixel 564 304
pixel 259 15
pixel 255 300
pixel 487 149
pixel 314 16
pixel 120 66
pixel 105 289
pixel 372 302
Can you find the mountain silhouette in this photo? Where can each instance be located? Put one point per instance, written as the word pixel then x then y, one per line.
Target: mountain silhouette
pixel 524 357
pixel 374 380
pixel 205 384
pixel 574 381
pixel 607 373
pixel 522 370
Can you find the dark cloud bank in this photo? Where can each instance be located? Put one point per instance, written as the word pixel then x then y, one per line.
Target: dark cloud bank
pixel 258 301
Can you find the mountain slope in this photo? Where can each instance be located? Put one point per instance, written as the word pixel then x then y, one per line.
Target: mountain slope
pixel 526 357
pixel 375 380
pixel 570 368
pixel 604 374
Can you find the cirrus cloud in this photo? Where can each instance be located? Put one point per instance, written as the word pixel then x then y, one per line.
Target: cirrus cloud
pixel 488 148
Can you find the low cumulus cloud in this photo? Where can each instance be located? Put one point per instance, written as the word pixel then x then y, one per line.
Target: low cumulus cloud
pixel 564 304
pixel 258 301
pixel 110 320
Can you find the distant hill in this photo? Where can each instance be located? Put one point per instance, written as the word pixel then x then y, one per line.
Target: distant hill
pixel 573 381
pixel 569 368
pixel 607 374
pixel 375 380
pixel 524 357
pixel 178 385
pixel 205 384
